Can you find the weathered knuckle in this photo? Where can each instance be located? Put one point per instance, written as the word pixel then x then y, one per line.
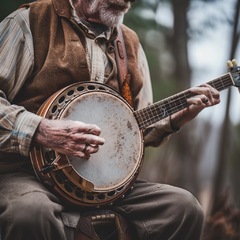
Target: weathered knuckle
pixel 94 150
pixel 198 101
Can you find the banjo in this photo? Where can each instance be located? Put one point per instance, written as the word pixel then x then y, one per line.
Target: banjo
pixel 112 171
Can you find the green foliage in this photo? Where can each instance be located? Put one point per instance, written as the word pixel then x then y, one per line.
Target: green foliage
pixel 141 17
pixel 153 37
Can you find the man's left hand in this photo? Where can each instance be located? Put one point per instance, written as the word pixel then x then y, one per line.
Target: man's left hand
pixel 204 96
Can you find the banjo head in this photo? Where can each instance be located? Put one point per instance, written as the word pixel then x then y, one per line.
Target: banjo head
pixel 110 172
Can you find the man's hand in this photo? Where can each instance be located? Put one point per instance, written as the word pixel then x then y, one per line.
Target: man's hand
pixel 205 96
pixel 69 137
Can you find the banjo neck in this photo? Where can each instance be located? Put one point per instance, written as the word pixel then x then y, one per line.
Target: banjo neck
pixel 166 107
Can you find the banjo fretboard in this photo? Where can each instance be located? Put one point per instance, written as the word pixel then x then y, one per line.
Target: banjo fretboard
pixel 175 103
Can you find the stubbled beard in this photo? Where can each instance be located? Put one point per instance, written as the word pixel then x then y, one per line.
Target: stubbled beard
pixel 110 12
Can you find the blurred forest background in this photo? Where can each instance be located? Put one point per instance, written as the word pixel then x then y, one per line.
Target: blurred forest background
pixel 187 42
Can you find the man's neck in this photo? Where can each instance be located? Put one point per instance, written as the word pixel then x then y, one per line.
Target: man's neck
pixel 94 26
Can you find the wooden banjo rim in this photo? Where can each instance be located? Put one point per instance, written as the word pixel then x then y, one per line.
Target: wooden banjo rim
pixel 100 198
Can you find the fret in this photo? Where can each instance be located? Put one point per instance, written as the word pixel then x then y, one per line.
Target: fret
pixel 154 110
pixel 166 107
pixel 222 82
pixel 222 86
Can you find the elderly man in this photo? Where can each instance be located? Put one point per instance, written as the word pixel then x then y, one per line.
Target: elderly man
pixel 48 45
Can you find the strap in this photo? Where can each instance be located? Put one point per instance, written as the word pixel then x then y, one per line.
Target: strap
pixel 87 228
pixel 123 76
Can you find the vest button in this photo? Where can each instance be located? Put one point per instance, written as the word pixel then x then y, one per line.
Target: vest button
pixel 83 65
pixel 111 49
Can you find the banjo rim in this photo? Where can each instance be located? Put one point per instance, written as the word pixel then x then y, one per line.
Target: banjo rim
pixel 85 196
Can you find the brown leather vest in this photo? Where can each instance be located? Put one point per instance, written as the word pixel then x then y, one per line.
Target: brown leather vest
pixel 60 57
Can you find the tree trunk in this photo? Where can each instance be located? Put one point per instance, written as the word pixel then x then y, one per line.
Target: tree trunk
pixel 187 154
pixel 224 151
pixel 180 43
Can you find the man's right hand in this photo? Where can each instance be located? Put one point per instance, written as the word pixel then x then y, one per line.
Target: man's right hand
pixel 69 137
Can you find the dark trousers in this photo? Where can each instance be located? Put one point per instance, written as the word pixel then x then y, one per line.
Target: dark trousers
pixel 28 211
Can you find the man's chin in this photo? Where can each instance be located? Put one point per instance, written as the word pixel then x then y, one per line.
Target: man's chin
pixel 113 20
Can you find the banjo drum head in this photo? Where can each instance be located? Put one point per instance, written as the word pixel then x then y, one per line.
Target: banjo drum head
pixel 114 168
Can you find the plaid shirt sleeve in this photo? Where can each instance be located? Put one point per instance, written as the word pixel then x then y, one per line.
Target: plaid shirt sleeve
pixel 17 126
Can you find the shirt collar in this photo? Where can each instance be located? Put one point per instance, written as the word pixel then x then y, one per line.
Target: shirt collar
pixel 92 30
